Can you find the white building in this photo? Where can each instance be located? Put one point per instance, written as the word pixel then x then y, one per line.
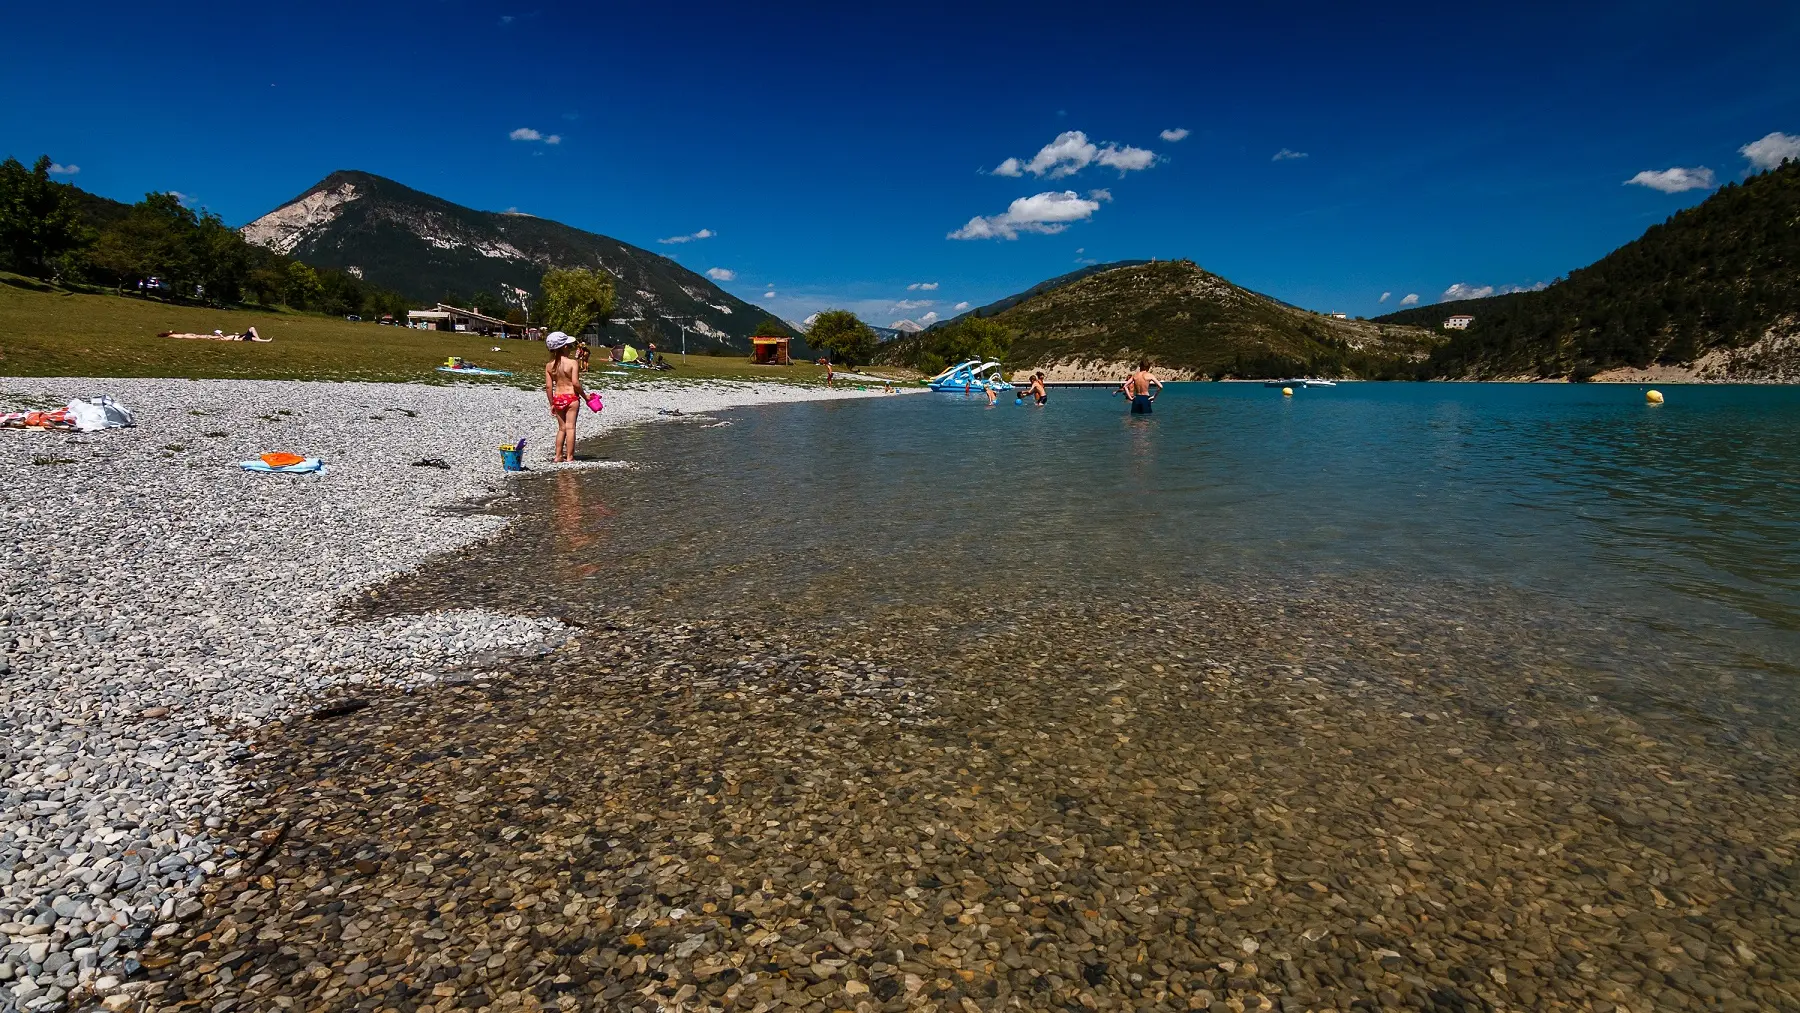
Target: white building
pixel 1459 322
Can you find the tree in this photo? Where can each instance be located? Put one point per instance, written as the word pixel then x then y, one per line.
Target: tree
pixel 39 219
pixel 969 338
pixel 846 339
pixel 574 300
pixel 773 328
pixel 302 288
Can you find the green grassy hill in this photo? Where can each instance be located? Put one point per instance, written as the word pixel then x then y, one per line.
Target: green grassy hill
pixel 1720 277
pixel 48 331
pixel 1182 317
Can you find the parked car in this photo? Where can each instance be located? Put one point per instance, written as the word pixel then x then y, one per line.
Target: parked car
pixel 353 318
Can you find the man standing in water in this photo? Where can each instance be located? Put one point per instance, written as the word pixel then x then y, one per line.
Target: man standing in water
pixel 1137 388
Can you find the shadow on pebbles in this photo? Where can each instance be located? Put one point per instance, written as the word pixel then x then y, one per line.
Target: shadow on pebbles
pixel 1262 805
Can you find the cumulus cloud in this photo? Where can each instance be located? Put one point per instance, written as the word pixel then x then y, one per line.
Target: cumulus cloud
pixel 1766 153
pixel 922 286
pixel 959 307
pixel 1288 155
pixel 59 169
pixel 1462 291
pixel 720 273
pixel 770 294
pixel 929 318
pixel 1100 194
pixel 1384 297
pixel 528 134
pixel 702 234
pixel 1674 180
pixel 1410 299
pixel 1046 213
pixel 186 199
pixel 1072 152
pixel 1174 134
pixel 911 304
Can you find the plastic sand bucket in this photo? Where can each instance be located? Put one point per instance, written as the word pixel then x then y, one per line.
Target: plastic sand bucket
pixel 512 458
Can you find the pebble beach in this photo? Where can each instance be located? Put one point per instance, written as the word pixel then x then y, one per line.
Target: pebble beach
pixel 158 605
pixel 320 755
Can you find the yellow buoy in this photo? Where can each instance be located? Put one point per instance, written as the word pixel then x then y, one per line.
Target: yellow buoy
pixel 1287 392
pixel 1653 397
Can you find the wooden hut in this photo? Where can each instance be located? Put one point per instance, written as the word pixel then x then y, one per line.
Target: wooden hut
pixel 769 351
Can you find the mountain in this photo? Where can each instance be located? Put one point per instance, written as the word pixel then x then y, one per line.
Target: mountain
pixel 1711 293
pixel 425 247
pixel 1188 322
pixel 1041 287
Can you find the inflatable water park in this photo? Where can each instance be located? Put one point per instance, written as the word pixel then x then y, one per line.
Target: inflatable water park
pixel 969 376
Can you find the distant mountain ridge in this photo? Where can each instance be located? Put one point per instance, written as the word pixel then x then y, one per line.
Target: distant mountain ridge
pixel 424 247
pixel 1188 321
pixel 1714 291
pixel 1041 287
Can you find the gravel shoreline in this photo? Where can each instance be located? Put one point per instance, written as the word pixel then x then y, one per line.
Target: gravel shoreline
pixel 157 605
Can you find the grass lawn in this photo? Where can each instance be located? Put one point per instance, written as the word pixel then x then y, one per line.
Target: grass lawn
pixel 50 332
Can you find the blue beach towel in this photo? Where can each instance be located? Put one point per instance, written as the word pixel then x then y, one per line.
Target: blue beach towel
pixel 310 464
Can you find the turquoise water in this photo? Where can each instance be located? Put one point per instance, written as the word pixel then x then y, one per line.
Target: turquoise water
pixel 1657 548
pixel 1684 515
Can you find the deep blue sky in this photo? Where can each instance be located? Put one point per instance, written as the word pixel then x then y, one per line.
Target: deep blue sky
pixel 833 150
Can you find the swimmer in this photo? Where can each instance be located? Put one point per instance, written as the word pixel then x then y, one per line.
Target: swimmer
pixel 1137 388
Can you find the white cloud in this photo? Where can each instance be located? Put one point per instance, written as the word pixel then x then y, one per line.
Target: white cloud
pixel 911 304
pixel 721 274
pixel 770 294
pixel 59 169
pixel 1410 299
pixel 1174 134
pixel 1288 154
pixel 922 286
pixel 1384 297
pixel 929 318
pixel 186 199
pixel 1072 152
pixel 1045 213
pixel 1766 153
pixel 553 139
pixel 959 307
pixel 506 19
pixel 1674 180
pixel 1100 194
pixel 1462 291
pixel 525 134
pixel 1126 159
pixel 702 234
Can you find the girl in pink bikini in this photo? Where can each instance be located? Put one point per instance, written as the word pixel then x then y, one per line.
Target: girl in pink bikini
pixel 562 385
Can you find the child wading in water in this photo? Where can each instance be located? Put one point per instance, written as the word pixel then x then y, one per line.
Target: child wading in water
pixel 562 385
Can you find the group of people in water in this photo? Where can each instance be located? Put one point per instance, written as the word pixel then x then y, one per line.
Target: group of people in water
pixel 569 359
pixel 1137 388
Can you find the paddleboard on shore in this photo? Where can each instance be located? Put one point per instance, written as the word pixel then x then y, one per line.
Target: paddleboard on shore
pixel 474 371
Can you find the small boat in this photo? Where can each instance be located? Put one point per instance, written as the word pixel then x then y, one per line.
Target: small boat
pixel 969 377
pixel 1300 382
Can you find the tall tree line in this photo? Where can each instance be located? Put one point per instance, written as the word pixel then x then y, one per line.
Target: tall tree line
pixel 45 233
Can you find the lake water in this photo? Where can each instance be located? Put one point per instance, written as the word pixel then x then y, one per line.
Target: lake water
pixel 1643 540
pixel 1431 657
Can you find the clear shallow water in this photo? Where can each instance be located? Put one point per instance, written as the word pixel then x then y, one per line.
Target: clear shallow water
pixel 1685 516
pixel 1655 549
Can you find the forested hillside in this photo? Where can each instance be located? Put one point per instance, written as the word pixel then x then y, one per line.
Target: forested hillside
pixel 1720 276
